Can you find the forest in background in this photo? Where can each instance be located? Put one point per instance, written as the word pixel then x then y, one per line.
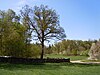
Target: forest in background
pixel 71 47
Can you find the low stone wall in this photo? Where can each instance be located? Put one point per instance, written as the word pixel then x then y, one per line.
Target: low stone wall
pixel 32 60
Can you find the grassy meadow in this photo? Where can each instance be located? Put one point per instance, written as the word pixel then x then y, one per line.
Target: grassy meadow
pixel 51 68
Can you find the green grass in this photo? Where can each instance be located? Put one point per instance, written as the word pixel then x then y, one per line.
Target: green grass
pixel 64 56
pixel 49 69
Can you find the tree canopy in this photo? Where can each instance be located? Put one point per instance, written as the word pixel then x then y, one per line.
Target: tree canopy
pixel 44 23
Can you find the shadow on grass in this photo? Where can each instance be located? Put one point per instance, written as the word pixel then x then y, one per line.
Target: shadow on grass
pixel 9 66
pixel 45 66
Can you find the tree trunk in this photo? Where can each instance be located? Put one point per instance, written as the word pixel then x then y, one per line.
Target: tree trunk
pixel 42 53
pixel 42 43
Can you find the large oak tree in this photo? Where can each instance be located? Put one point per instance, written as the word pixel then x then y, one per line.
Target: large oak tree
pixel 44 23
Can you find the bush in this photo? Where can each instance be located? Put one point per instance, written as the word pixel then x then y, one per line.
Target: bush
pixel 35 51
pixel 74 52
pixel 32 50
pixel 84 53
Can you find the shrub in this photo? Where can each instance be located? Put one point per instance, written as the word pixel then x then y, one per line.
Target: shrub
pixel 84 53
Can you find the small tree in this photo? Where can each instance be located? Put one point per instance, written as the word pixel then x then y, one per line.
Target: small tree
pixel 45 24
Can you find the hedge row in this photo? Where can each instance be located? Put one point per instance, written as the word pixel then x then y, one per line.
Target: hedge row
pixel 32 60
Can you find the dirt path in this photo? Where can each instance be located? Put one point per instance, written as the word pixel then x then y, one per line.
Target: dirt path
pixel 79 61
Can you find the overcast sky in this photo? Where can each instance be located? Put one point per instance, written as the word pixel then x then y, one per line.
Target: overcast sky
pixel 79 18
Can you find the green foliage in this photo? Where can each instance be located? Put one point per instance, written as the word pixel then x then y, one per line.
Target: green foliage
pixel 72 47
pixel 74 52
pixel 13 37
pixel 34 51
pixel 85 53
pixel 44 23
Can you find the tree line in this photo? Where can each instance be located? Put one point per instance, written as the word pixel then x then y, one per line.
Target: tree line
pixel 70 47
